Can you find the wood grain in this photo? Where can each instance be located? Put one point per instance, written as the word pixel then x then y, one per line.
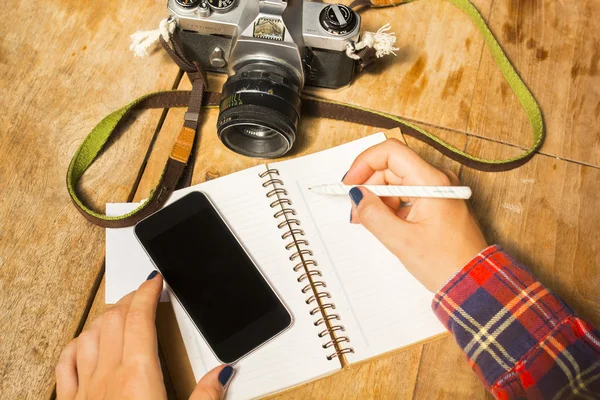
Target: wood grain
pixel 444 374
pixel 392 377
pixel 66 64
pixel 432 79
pixel 545 214
pixel 59 78
pixel 555 47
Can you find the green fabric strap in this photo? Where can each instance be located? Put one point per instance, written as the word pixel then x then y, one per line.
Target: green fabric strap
pixel 89 150
pixel 525 97
pixel 96 140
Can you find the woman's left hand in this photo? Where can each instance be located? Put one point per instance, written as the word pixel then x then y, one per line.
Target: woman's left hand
pixel 116 356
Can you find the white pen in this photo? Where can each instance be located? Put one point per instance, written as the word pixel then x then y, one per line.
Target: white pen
pixel 440 192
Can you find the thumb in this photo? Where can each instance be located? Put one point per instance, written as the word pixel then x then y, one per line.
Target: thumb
pixel 372 213
pixel 212 385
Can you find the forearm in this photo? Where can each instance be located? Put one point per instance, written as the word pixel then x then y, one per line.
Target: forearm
pixel 521 339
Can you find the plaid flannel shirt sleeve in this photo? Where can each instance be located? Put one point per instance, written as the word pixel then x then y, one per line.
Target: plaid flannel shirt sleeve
pixel 522 340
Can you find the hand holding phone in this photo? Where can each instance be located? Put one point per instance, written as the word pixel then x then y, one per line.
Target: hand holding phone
pixel 212 276
pixel 117 354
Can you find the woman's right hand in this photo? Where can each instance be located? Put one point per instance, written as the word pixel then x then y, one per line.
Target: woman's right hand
pixel 116 356
pixel 433 238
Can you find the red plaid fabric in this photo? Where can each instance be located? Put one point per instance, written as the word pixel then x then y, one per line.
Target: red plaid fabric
pixel 522 340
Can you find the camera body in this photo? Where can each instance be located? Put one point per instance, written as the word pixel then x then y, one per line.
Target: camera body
pixel 212 37
pixel 270 50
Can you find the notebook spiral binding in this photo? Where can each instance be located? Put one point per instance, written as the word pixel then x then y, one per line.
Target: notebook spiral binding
pixel 286 216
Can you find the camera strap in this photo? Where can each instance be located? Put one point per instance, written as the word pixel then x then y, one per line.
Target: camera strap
pixel 175 169
pixel 196 99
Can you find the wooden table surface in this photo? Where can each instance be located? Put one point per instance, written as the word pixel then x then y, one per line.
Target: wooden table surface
pixel 65 64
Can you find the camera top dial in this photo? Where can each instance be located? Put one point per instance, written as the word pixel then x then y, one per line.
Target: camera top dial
pixel 221 6
pixel 188 3
pixel 338 19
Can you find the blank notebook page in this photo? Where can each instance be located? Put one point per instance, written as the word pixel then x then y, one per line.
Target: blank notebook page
pixel 295 356
pixel 381 305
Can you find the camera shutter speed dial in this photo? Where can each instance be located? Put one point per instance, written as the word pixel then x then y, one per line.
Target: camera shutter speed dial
pixel 338 19
pixel 188 3
pixel 221 6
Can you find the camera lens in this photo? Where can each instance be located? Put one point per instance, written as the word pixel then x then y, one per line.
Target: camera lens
pixel 259 110
pixel 259 132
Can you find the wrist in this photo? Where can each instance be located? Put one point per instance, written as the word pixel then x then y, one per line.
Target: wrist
pixel 456 262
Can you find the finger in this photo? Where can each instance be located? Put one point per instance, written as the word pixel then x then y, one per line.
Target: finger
pixel 354 215
pixel 378 178
pixel 212 385
pixel 66 373
pixel 139 340
pixel 111 334
pixel 395 156
pixel 88 344
pixel 403 211
pixel 392 202
pixel 378 218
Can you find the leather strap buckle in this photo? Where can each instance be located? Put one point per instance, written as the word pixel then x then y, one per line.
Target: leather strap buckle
pixel 183 145
pixel 191 116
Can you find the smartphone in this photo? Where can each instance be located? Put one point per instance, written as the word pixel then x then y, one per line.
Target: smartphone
pixel 212 276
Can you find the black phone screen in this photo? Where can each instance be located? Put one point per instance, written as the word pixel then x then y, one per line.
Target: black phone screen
pixel 212 276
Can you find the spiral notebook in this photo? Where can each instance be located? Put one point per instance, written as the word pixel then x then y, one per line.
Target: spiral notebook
pixel 351 299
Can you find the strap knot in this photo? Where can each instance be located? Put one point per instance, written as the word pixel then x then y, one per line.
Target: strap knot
pixel 142 41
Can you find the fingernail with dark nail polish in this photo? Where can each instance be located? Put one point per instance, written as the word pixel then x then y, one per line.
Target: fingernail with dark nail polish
pixel 344 175
pixel 225 375
pixel 152 275
pixel 355 195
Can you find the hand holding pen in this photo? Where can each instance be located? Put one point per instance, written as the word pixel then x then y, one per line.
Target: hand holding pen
pixel 432 237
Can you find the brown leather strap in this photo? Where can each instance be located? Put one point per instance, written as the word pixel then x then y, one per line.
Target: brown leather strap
pixel 175 170
pixel 312 107
pixel 317 108
pixel 366 57
pixel 166 186
pixel 197 76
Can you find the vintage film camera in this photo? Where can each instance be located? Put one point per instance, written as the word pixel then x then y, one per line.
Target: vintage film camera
pixel 270 49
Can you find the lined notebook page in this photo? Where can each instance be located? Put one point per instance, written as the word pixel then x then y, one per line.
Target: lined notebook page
pixel 294 357
pixel 381 305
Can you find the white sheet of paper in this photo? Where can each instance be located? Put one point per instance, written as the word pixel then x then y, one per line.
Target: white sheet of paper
pixel 127 264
